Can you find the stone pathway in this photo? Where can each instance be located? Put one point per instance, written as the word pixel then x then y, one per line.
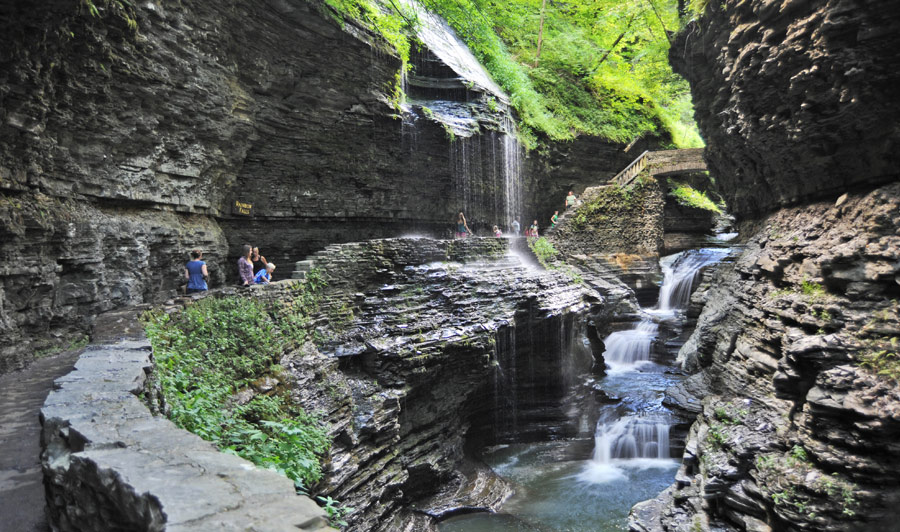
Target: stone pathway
pixel 21 395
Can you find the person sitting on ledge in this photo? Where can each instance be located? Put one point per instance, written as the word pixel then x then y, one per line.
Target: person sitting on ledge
pixel 264 276
pixel 259 262
pixel 497 231
pixel 570 200
pixel 245 267
pixel 196 274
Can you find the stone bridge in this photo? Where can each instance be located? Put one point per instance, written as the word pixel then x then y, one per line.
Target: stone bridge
pixel 661 163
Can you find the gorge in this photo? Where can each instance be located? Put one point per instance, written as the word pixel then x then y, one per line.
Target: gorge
pixel 648 365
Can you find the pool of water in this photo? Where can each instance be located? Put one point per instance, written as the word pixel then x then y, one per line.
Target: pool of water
pixel 560 489
pixel 566 496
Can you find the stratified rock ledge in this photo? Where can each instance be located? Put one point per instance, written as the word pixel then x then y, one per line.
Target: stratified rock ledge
pixel 109 464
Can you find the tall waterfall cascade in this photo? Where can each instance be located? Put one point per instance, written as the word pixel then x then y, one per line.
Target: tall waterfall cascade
pixel 448 85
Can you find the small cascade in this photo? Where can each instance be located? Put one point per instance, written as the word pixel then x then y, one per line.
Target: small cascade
pixel 680 273
pixel 447 86
pixel 631 437
pixel 631 441
pixel 625 350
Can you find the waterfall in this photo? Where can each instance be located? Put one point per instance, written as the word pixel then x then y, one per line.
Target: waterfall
pixel 680 272
pixel 454 90
pixel 625 350
pixel 631 437
pixel 512 178
pixel 631 441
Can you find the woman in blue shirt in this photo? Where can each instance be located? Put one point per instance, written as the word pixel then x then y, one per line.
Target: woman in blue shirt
pixel 196 274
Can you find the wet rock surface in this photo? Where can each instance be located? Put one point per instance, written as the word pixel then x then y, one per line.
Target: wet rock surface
pixel 429 347
pixel 795 99
pixel 796 431
pixel 610 219
pixel 21 395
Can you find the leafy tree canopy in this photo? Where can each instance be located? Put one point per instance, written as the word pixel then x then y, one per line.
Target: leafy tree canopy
pixel 596 67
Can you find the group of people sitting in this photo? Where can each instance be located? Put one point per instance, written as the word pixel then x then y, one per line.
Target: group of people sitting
pixel 462 227
pixel 251 261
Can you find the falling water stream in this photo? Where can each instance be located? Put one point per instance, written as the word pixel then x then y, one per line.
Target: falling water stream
pixel 561 485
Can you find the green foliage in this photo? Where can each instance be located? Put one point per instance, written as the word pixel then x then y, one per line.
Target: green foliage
pixel 882 357
pixel 603 68
pixel 390 19
pixel 690 197
pixel 822 314
pixel 716 436
pixel 799 453
pixel 336 512
pixel 121 8
pixel 730 415
pixel 812 289
pixel 613 202
pixel 837 488
pixel 219 346
pixel 544 251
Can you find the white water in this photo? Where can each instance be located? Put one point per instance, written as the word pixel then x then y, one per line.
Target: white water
pixel 485 163
pixel 630 442
pixel 635 441
pixel 680 272
pixel 626 350
pixel 443 42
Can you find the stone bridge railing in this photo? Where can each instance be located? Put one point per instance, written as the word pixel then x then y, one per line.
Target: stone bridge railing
pixel 660 163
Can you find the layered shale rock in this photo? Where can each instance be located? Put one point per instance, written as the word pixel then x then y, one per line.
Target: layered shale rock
pixel 65 261
pixel 795 351
pixel 795 99
pixel 798 429
pixel 158 124
pixel 426 345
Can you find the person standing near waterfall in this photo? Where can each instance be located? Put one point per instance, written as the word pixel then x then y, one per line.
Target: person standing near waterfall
pixel 570 200
pixel 516 227
pixel 462 228
pixel 554 219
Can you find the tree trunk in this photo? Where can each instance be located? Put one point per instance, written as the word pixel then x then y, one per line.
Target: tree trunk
pixel 537 56
pixel 616 42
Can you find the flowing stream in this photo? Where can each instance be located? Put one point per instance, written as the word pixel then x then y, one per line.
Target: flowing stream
pixel 582 485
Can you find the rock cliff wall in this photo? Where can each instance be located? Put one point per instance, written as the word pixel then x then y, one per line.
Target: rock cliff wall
pixel 794 98
pixel 149 136
pixel 795 352
pixel 425 345
pixel 798 428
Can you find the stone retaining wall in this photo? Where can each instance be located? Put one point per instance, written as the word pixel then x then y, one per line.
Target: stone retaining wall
pixel 109 464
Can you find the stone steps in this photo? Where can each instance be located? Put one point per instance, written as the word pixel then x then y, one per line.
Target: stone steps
pixel 302 268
